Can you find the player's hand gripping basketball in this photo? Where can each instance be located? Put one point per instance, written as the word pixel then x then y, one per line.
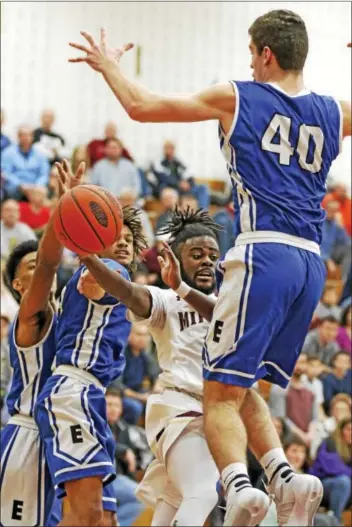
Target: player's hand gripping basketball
pixel 170 268
pixel 66 179
pixel 99 56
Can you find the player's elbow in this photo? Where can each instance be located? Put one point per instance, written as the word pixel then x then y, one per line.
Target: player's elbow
pixel 137 112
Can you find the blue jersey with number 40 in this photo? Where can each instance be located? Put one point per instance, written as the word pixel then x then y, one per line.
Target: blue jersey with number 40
pixel 279 151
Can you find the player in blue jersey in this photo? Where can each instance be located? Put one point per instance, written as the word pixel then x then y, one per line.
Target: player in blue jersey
pixel 26 489
pixel 92 332
pixel 279 140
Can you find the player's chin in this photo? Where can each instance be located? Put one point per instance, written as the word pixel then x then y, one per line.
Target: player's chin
pixel 205 284
pixel 124 260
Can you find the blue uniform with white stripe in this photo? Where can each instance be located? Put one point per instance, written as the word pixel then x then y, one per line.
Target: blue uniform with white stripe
pixel 26 500
pixel 278 153
pixel 71 412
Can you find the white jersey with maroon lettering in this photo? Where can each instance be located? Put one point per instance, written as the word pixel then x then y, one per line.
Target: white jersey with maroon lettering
pixel 178 332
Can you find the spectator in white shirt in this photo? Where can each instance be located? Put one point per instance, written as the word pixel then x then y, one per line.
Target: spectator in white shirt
pixel 13 231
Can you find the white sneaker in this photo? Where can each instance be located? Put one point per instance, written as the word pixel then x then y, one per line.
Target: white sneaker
pixel 298 500
pixel 246 508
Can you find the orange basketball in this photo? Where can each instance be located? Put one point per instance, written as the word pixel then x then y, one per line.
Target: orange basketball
pixel 88 219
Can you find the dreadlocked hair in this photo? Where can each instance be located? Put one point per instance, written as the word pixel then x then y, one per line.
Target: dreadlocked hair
pixel 14 260
pixel 132 220
pixel 186 224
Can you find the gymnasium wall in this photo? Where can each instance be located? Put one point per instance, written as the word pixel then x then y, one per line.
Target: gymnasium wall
pixel 184 47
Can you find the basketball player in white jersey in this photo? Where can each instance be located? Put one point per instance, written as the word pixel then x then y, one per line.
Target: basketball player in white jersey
pixel 26 489
pixel 183 477
pixel 279 140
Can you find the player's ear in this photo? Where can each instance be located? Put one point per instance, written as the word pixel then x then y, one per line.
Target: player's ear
pixel 16 284
pixel 267 55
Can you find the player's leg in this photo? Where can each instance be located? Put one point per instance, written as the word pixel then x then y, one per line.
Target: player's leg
pixel 85 497
pixel 71 417
pixel 26 494
pixel 192 471
pixel 163 515
pixel 246 319
pixel 297 496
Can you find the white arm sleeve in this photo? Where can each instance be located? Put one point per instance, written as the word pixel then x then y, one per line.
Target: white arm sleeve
pixel 158 315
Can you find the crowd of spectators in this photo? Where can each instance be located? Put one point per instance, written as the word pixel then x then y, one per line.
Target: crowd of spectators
pixel 313 415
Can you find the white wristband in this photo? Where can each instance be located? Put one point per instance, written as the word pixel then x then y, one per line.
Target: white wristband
pixel 183 290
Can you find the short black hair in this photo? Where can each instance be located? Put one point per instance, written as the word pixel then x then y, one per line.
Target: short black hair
pixel 312 358
pixel 285 33
pixel 14 260
pixel 329 318
pixel 186 224
pixel 132 220
pixel 340 353
pixel 114 392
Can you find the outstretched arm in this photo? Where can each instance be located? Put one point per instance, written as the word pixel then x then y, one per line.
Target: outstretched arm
pixel 217 102
pixel 37 299
pixel 136 297
pixel 171 275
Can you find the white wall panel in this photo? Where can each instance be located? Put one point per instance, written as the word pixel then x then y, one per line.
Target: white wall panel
pixel 185 46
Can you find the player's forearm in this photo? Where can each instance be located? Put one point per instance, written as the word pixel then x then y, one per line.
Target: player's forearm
pixel 201 303
pixel 50 249
pixel 136 298
pixel 131 95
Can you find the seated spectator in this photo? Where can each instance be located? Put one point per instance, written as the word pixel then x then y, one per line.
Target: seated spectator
pixel 13 232
pixel 169 171
pixel 128 198
pixel 297 454
pixel 333 466
pixel 80 154
pixel 139 375
pixel 335 243
pixel 328 305
pixel 5 141
pixel 226 236
pixel 128 506
pixel 344 335
pixel 34 212
pixel 321 342
pixel 140 277
pixel 310 379
pixel 23 167
pixel 296 404
pixel 8 304
pixel 188 201
pixel 96 148
pixel 169 198
pixel 114 172
pixel 340 408
pixel 151 264
pixel 340 379
pixel 48 142
pixel 339 194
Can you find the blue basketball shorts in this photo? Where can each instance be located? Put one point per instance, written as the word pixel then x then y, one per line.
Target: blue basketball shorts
pixel 267 298
pixel 26 489
pixel 71 416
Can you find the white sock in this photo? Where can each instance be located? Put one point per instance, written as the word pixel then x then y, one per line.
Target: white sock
pixel 274 463
pixel 235 475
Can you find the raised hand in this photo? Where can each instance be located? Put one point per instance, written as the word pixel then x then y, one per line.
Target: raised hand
pixel 66 179
pixel 99 56
pixel 170 268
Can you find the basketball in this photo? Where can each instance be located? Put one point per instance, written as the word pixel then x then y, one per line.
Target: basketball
pixel 88 219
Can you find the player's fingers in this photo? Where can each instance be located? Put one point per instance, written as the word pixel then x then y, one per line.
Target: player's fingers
pixel 67 167
pixel 127 47
pixel 161 262
pixel 88 37
pixel 79 46
pixel 349 45
pixel 81 170
pixel 78 59
pixel 103 37
pixel 61 175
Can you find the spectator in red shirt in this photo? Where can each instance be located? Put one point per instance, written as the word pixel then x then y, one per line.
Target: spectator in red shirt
pixel 35 213
pixel 339 194
pixel 96 148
